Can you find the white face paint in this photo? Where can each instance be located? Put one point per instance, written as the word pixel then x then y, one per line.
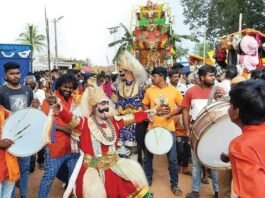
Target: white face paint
pixel 103 110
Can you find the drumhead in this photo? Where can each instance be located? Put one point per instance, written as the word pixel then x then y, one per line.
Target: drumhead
pixel 25 128
pixel 216 140
pixel 158 140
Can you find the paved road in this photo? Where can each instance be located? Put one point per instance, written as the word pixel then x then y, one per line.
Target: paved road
pixel 160 187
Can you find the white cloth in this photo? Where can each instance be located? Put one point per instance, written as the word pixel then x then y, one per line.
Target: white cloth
pixel 182 87
pixel 73 178
pixel 39 94
pixel 197 106
pixel 226 85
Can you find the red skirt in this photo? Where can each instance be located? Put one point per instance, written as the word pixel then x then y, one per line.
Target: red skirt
pixel 115 186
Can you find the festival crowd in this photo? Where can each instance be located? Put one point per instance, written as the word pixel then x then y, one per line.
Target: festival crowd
pixel 99 149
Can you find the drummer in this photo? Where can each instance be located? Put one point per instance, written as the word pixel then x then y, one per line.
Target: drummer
pixel 195 99
pixel 163 93
pixel 9 171
pixel 14 97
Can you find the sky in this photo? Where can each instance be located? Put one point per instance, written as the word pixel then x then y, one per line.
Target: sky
pixel 82 32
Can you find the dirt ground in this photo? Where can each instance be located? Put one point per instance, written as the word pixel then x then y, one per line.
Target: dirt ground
pixel 160 186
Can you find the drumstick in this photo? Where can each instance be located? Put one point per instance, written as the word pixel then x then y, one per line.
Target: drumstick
pixel 20 136
pixel 22 130
pixel 14 140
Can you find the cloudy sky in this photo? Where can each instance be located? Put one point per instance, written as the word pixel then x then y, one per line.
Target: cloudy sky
pixel 82 32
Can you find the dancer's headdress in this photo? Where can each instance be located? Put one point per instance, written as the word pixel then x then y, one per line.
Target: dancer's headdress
pixel 128 62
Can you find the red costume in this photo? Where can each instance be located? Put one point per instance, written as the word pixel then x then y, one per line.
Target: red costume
pixel 100 155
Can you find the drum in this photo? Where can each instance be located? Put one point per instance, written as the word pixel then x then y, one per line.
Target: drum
pixel 211 134
pixel 77 111
pixel 26 128
pixel 158 140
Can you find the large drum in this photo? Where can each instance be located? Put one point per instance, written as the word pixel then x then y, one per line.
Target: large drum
pixel 158 140
pixel 211 134
pixel 27 129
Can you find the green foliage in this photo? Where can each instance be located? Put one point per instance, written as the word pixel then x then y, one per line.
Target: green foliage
pixel 126 42
pixel 221 17
pixel 32 37
pixel 180 53
pixel 199 48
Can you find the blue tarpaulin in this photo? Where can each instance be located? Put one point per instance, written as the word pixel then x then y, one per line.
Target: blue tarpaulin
pixel 20 54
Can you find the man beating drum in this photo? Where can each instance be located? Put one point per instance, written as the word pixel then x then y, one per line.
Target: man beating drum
pixel 195 99
pixel 164 94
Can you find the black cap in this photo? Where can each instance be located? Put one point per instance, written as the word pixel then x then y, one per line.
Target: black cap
pixel 177 66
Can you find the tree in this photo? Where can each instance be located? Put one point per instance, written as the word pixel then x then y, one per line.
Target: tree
pixel 180 53
pixel 199 48
pixel 33 38
pixel 126 42
pixel 221 17
pixel 177 38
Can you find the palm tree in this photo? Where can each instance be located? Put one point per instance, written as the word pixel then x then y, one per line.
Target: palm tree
pixel 126 42
pixel 33 38
pixel 177 38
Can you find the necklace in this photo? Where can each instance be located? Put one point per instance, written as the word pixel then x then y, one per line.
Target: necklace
pixel 110 125
pixel 132 90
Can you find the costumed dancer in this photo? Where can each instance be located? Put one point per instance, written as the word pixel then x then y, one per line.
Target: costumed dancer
pixel 130 94
pixel 99 172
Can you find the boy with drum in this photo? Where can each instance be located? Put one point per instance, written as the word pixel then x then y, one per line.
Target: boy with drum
pixel 162 93
pixel 14 97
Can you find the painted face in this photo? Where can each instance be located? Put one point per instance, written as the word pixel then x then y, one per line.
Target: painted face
pixel 66 89
pixel 13 76
pixel 122 74
pixel 103 109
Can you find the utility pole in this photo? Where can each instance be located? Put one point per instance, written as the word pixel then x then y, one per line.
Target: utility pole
pixel 48 41
pixel 113 31
pixel 55 21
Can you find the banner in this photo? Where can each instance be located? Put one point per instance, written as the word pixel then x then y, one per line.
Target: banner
pixel 17 53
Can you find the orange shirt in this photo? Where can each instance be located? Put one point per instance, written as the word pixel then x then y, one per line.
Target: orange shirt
pixel 62 144
pixel 247 155
pixel 167 95
pixel 3 167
